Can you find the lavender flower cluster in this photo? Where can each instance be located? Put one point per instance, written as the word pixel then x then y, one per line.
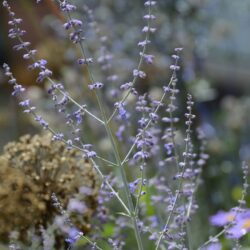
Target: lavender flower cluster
pixel 153 211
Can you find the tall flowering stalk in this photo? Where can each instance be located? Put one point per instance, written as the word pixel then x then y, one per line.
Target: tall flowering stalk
pixel 45 74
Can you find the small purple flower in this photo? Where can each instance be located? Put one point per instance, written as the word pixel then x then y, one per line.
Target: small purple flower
pixel 143 43
pixel 174 67
pixel 7 70
pixel 90 154
pixel 64 100
pixel 169 148
pixel 133 186
pixel 139 73
pixel 29 109
pixel 153 236
pixel 43 62
pixel 141 155
pixel 69 144
pixel 75 36
pixel 78 116
pixel 21 46
pixel 87 146
pixel 34 65
pixel 153 221
pixel 5 4
pixel 141 105
pixel 166 89
pixel 18 89
pixel 169 120
pixel 72 23
pixel 85 61
pixel 150 3
pixel 149 58
pixel 143 122
pixel 73 235
pixel 15 21
pixel 13 33
pixel 154 117
pixel 57 137
pixel 126 86
pixel 148 29
pixel 149 17
pixel 12 81
pixel 178 49
pixel 43 75
pixel 67 7
pixel 25 103
pixel 175 57
pixel 96 85
pixel 29 54
pixel 121 110
pixel 42 122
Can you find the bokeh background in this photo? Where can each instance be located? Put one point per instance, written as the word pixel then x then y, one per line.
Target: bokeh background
pixel 215 70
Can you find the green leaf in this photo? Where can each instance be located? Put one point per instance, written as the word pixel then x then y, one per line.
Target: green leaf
pixel 108 230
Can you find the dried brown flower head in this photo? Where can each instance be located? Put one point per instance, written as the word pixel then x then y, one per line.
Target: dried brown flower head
pixel 30 171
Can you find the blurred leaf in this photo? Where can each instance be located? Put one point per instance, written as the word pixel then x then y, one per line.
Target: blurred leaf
pixel 108 230
pixel 81 242
pixel 237 193
pixel 147 199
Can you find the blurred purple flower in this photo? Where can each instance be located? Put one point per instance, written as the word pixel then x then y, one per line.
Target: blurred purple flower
pixel 213 246
pixel 241 222
pixel 121 110
pixel 119 132
pixel 241 227
pixel 73 235
pixel 222 218
pixel 85 190
pixel 133 186
pixel 77 206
